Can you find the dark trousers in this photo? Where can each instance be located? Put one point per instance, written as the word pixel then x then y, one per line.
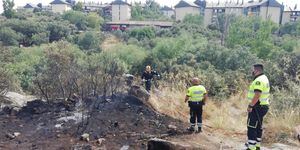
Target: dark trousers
pixel 148 85
pixel 196 112
pixel 254 122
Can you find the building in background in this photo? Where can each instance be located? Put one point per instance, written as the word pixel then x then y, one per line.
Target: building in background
pixel 184 8
pixel 95 7
pixel 168 11
pixel 121 10
pixel 266 9
pixel 29 7
pixel 60 6
pixel 290 14
pixel 213 10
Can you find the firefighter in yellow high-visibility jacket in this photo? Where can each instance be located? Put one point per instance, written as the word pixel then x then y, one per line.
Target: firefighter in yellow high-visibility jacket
pixel 258 96
pixel 196 97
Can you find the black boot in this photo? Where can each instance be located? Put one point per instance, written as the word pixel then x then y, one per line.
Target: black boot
pixel 199 130
pixel 191 128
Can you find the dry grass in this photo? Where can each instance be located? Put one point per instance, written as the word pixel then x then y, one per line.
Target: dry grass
pixel 171 103
pixel 281 126
pixel 227 116
pixel 286 120
pixel 109 42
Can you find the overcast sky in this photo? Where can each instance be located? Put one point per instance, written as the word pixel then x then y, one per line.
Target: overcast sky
pixel 170 3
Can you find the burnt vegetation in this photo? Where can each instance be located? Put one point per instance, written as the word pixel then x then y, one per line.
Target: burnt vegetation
pixel 59 58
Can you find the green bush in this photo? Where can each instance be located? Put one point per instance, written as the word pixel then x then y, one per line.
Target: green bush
pixel 193 19
pixel 132 55
pixel 77 18
pixel 9 37
pixel 90 41
pixel 142 33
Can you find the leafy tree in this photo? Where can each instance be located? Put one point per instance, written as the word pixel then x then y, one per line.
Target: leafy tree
pixel 56 74
pixel 9 37
pixel 78 6
pixel 223 23
pixel 166 51
pixel 105 72
pixel 40 38
pixel 58 30
pixel 94 20
pixel 90 41
pixel 24 65
pixel 193 19
pixel 227 59
pixel 8 8
pixel 132 55
pixel 288 43
pixel 136 11
pixel 7 78
pixel 142 33
pixel 253 33
pixel 152 8
pixel 28 29
pixel 151 11
pixel 77 18
pixel 292 28
pixel 40 5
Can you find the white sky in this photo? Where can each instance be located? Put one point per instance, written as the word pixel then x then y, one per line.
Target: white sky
pixel 170 3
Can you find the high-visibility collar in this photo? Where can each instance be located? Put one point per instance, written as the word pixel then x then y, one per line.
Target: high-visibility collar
pixel 258 76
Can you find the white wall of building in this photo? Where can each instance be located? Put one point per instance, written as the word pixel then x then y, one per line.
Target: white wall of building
pixel 183 11
pixel 272 13
pixel 168 13
pixel 60 8
pixel 208 14
pixel 121 13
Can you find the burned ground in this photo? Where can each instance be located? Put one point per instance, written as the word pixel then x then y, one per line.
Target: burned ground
pixel 120 121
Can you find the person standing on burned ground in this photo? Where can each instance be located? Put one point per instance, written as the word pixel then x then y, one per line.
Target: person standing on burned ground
pixel 148 76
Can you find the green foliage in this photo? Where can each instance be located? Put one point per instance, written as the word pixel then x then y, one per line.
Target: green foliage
pixel 291 28
pixel 285 99
pixel 30 31
pixel 77 18
pixel 227 59
pixel 24 66
pixel 8 79
pixel 82 21
pixel 193 19
pixel 151 11
pixel 136 12
pixel 58 30
pixel 41 27
pixel 105 72
pixel 56 72
pixel 8 8
pixel 9 37
pixel 132 55
pixel 142 33
pixel 90 41
pixel 78 6
pixel 288 43
pixel 94 20
pixel 253 33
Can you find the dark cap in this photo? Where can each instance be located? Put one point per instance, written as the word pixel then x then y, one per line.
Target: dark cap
pixel 259 66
